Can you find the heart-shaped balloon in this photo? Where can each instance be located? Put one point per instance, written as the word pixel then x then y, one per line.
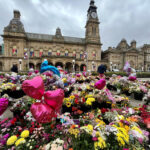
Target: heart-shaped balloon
pixel 132 78
pixel 42 112
pixel 34 87
pixel 3 105
pixel 100 84
pixel 54 98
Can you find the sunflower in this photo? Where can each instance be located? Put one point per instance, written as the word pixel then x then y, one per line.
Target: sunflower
pixel 68 104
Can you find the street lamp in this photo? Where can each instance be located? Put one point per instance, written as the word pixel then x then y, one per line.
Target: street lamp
pixel 110 66
pixel 92 65
pixel 73 63
pixel 20 62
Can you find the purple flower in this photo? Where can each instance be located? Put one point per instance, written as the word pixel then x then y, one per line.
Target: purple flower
pixel 4 139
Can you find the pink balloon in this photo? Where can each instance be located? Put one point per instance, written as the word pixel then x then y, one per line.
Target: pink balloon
pixel 132 78
pixel 42 112
pixel 78 75
pixel 100 84
pixel 34 87
pixel 3 105
pixel 54 98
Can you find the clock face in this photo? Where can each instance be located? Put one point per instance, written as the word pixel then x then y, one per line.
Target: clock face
pixel 94 15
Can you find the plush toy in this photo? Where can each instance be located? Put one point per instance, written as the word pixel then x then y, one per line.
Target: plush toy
pixel 46 67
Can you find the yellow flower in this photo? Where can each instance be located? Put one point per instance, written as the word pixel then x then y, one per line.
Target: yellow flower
pixel 25 134
pixel 100 143
pixel 74 132
pixel 72 97
pixel 137 129
pixel 20 141
pixel 89 101
pixel 68 104
pixel 11 140
pixel 90 127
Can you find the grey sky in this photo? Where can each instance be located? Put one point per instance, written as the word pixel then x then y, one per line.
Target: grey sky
pixel 129 19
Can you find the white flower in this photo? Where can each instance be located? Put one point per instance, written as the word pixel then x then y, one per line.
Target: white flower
pixel 30 147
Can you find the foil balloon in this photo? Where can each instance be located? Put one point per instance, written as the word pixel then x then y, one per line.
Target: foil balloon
pixel 132 78
pixel 34 87
pixel 54 98
pixel 3 105
pixel 100 84
pixel 46 67
pixel 42 112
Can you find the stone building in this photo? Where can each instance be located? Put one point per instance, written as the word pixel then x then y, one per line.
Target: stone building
pixel 138 57
pixel 59 50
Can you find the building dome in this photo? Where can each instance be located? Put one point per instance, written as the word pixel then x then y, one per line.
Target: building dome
pixel 15 24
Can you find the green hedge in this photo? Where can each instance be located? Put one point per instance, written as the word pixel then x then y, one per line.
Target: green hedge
pixel 139 74
pixel 143 74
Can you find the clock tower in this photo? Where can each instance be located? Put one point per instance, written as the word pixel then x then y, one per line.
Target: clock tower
pixel 92 25
pixel 92 35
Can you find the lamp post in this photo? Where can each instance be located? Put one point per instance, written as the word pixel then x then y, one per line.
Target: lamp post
pixel 20 62
pixel 73 63
pixel 111 66
pixel 92 65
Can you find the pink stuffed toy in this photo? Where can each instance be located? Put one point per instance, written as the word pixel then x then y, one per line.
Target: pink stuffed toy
pixel 100 84
pixel 132 78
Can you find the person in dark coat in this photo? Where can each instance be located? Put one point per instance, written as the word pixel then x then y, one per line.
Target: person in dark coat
pixel 101 70
pixel 14 69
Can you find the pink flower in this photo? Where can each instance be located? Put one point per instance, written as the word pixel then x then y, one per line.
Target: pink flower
pixel 125 149
pixel 95 139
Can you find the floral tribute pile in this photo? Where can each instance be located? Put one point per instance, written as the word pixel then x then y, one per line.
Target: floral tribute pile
pixel 54 110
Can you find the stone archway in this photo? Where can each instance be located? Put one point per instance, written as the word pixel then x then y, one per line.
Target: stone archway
pixel 77 68
pixel 38 66
pixel 69 67
pixel 83 67
pixel 50 63
pixel 31 65
pixel 1 66
pixel 59 64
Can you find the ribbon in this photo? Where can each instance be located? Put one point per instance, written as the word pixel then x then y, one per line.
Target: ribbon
pixel 51 101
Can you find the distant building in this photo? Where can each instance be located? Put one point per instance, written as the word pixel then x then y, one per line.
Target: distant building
pixel 138 57
pixel 59 50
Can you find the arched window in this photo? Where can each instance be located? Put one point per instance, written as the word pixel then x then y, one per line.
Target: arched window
pixel 14 50
pixel 31 52
pixel 66 53
pixel 49 52
pixel 41 52
pixel 58 53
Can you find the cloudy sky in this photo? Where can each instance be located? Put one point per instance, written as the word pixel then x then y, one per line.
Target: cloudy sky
pixel 129 19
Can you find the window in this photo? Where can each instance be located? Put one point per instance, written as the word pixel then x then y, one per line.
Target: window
pixel 58 53
pixel 81 55
pixel 66 53
pixel 14 50
pixel 93 31
pixel 31 52
pixel 50 52
pixel 41 53
pixel 94 54
pixel 74 53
